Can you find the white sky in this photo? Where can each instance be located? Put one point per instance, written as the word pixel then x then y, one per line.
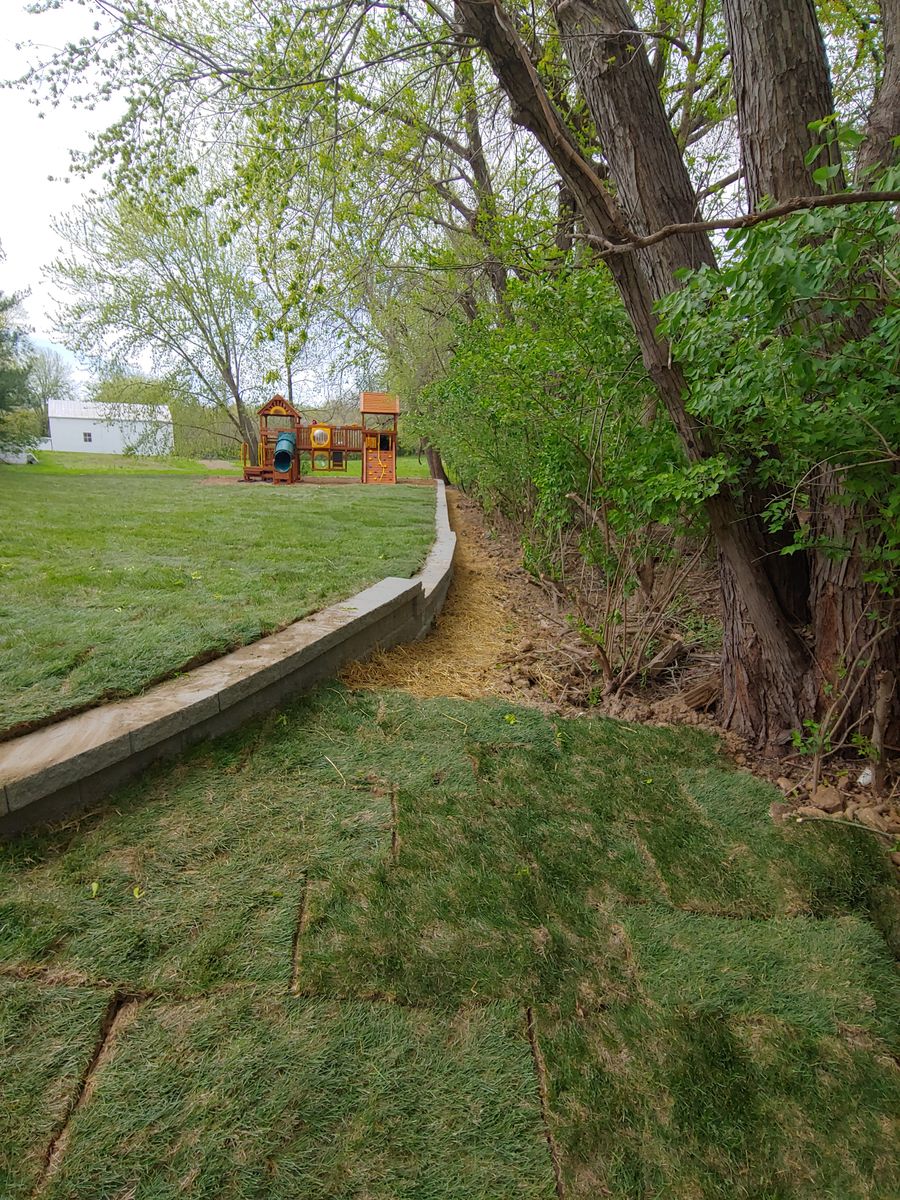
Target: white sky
pixel 33 147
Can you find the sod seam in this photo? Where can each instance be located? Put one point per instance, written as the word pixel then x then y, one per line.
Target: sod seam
pixel 52 977
pixel 299 930
pixel 395 818
pixel 51 981
pixel 540 1071
pixel 122 1008
pixel 719 914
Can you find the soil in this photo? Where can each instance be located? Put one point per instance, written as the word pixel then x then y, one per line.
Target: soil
pixel 502 632
pixel 487 619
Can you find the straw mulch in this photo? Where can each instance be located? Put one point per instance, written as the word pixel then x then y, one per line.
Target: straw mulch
pixel 474 639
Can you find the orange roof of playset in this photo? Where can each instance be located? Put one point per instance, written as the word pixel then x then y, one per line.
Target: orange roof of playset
pixel 379 402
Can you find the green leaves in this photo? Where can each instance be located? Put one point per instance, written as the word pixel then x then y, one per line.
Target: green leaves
pixel 791 353
pixel 550 403
pixel 823 175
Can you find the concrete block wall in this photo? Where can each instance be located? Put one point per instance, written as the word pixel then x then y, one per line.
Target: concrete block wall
pixel 72 764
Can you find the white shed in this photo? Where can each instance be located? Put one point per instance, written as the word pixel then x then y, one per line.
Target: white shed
pixel 94 428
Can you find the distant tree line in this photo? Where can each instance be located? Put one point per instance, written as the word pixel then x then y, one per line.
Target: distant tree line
pixel 30 376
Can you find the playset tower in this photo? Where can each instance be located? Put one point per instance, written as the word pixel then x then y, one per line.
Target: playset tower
pixel 380 411
pixel 284 435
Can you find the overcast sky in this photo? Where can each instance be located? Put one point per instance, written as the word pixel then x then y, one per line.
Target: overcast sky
pixel 35 147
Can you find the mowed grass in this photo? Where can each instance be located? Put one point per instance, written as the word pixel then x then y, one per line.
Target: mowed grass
pixel 409 466
pixel 373 946
pixel 67 462
pixel 63 462
pixel 110 583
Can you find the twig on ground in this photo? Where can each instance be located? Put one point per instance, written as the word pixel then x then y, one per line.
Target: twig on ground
pixel 337 768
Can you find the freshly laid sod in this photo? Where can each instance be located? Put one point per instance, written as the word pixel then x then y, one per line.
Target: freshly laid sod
pixel 681 1103
pixel 283 1098
pixel 374 946
pixel 108 584
pixel 47 1036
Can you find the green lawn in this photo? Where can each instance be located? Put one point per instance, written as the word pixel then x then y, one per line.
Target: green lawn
pixel 64 462
pixel 409 466
pixel 386 948
pixel 109 582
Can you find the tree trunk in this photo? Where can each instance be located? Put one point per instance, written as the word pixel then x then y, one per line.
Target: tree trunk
pixel 765 717
pixel 856 635
pixel 649 154
pixel 761 694
pixel 619 85
pixel 762 697
pixel 566 209
pixel 248 429
pixel 876 636
pixel 878 150
pixel 435 465
pixel 782 84
pixel 484 219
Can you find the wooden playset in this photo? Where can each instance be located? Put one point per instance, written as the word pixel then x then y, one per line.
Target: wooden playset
pixel 285 436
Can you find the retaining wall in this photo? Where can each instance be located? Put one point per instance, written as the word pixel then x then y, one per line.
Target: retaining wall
pixel 69 766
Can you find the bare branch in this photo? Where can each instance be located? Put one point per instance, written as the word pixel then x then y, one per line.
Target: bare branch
pixel 719 185
pixel 798 204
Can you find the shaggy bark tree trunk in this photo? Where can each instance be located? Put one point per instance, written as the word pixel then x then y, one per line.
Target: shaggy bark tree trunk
pixel 878 150
pixel 762 698
pixel 622 95
pixel 877 153
pixel 781 85
pixel 650 166
pixel 856 635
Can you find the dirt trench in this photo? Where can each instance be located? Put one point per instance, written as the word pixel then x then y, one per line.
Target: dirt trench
pixel 500 633
pixel 488 620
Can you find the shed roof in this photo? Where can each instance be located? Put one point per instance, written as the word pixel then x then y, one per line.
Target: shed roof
pixel 95 410
pixel 379 402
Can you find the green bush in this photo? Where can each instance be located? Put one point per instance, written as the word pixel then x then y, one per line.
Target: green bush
pixel 20 429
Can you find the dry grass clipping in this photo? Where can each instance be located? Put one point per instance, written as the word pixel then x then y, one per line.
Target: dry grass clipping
pixel 474 636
